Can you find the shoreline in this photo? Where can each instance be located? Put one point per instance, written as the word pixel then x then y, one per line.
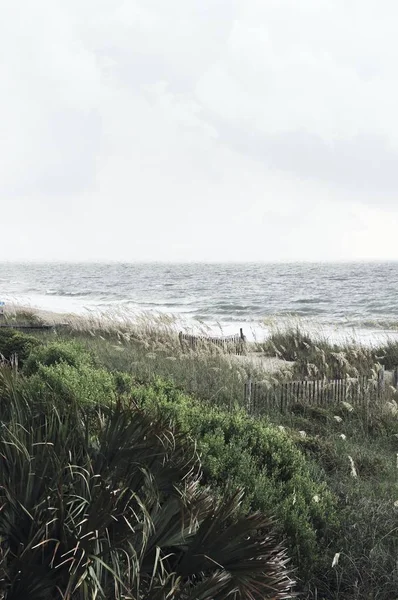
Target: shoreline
pixel 254 331
pixel 251 359
pixel 149 321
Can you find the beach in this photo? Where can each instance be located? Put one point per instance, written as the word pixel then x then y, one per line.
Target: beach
pixel 338 301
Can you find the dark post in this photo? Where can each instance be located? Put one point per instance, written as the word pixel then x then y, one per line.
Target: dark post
pixel 240 345
pixel 395 378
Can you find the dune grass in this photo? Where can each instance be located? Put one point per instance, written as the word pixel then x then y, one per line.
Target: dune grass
pixel 148 346
pixel 357 458
pixel 351 452
pixel 104 501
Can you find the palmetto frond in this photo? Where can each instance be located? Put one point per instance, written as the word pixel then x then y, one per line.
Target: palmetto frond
pixel 109 505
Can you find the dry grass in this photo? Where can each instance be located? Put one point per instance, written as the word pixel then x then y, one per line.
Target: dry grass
pixel 148 346
pixel 14 314
pixel 353 450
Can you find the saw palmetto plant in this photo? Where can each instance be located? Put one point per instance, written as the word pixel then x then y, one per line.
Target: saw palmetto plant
pixel 106 503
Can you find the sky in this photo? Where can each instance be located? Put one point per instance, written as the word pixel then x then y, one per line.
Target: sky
pixel 198 130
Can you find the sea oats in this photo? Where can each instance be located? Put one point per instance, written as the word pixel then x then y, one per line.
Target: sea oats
pixel 352 465
pixel 336 559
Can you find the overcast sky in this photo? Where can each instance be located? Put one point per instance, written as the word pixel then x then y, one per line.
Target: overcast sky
pixel 199 130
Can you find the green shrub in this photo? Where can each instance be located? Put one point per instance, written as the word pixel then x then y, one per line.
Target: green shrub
pixel 83 385
pixel 119 513
pixel 324 451
pixel 300 478
pixel 15 343
pixel 242 451
pixel 69 353
pixel 124 383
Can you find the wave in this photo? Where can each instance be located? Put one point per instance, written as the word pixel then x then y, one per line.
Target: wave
pixel 310 301
pixel 68 293
pixel 83 293
pixel 233 308
pixel 163 304
pixel 225 293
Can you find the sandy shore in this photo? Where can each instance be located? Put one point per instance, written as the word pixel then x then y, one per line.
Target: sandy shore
pixel 90 321
pixel 27 314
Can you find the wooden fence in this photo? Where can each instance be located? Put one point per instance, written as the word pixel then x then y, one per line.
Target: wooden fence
pixel 235 344
pixel 261 397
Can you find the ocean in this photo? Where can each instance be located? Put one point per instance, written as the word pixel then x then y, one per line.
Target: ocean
pixel 339 299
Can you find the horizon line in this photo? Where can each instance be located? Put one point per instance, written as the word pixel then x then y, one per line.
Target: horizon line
pixel 198 262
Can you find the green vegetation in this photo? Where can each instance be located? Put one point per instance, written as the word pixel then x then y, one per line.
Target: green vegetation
pixel 316 359
pixel 55 353
pixel 15 345
pixel 107 502
pixel 387 354
pixel 147 354
pixel 328 476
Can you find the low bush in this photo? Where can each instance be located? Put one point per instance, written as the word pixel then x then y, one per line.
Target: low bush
pixel 83 385
pixel 68 353
pixel 119 513
pixel 239 450
pixel 16 344
pixel 297 468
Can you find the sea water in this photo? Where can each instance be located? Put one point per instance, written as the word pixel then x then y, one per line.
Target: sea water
pixel 339 299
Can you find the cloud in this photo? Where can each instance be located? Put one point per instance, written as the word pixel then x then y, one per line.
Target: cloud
pixel 366 164
pixel 311 88
pixel 198 129
pixel 49 103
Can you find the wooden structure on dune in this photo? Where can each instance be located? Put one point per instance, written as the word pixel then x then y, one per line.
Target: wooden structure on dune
pixel 233 344
pixel 261 397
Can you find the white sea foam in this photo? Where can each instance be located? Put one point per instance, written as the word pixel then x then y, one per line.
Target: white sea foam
pixel 357 302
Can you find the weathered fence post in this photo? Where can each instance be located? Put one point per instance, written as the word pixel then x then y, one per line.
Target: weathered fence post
pixel 240 344
pixel 395 378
